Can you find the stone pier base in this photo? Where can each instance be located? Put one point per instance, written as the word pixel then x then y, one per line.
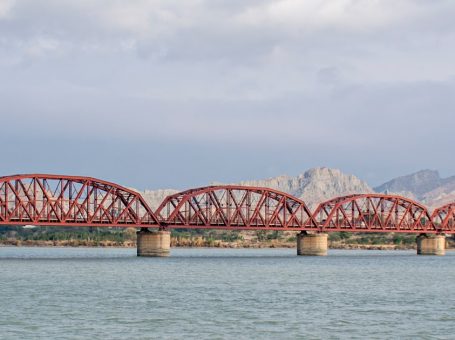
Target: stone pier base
pixel 431 244
pixel 153 243
pixel 312 244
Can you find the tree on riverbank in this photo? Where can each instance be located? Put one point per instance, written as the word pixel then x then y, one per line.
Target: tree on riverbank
pixel 74 236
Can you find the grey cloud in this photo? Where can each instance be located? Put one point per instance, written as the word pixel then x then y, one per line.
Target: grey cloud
pixel 277 85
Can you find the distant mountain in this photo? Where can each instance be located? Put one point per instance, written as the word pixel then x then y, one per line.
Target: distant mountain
pixel 441 195
pixel 314 186
pixel 426 186
pixel 417 183
pixel 320 184
pixel 155 197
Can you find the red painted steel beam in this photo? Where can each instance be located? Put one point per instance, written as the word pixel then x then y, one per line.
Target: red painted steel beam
pixel 374 213
pixel 235 207
pixel 58 200
pixel 444 218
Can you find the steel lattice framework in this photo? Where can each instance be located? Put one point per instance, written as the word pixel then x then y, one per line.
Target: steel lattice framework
pixel 235 207
pixel 374 213
pixel 54 200
pixel 444 218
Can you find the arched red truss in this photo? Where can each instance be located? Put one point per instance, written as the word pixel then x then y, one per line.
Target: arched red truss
pixel 444 218
pixel 55 200
pixel 235 207
pixel 374 213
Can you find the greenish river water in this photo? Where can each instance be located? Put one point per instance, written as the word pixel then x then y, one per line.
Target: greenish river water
pixel 81 293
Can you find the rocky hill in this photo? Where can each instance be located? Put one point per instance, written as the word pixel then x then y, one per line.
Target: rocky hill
pixel 417 183
pixel 155 197
pixel 313 186
pixel 426 186
pixel 319 184
pixel 440 196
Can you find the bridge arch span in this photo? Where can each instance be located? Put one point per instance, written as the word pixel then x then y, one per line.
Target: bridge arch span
pixel 374 213
pixel 444 217
pixel 235 207
pixel 59 200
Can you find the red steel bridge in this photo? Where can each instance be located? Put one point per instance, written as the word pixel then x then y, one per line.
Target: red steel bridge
pixel 55 200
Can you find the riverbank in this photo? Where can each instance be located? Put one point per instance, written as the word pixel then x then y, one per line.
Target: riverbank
pixel 126 238
pixel 196 243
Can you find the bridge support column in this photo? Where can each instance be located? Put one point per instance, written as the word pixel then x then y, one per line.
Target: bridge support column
pixel 311 244
pixel 153 243
pixel 431 244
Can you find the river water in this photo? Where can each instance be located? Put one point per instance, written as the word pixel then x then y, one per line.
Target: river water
pixel 80 293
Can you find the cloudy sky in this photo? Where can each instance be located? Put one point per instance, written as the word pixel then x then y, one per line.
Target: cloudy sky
pixel 172 93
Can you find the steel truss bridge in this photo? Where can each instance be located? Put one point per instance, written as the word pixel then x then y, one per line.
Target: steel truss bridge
pixel 56 200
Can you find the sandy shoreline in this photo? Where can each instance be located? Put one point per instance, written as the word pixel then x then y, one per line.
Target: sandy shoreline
pixel 179 244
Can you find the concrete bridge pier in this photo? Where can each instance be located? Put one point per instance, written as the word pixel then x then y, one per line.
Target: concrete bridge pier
pixel 431 244
pixel 153 243
pixel 311 244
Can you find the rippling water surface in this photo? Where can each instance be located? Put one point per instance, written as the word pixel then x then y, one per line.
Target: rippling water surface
pixel 225 293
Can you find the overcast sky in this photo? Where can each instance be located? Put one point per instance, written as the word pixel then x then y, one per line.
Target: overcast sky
pixel 158 94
